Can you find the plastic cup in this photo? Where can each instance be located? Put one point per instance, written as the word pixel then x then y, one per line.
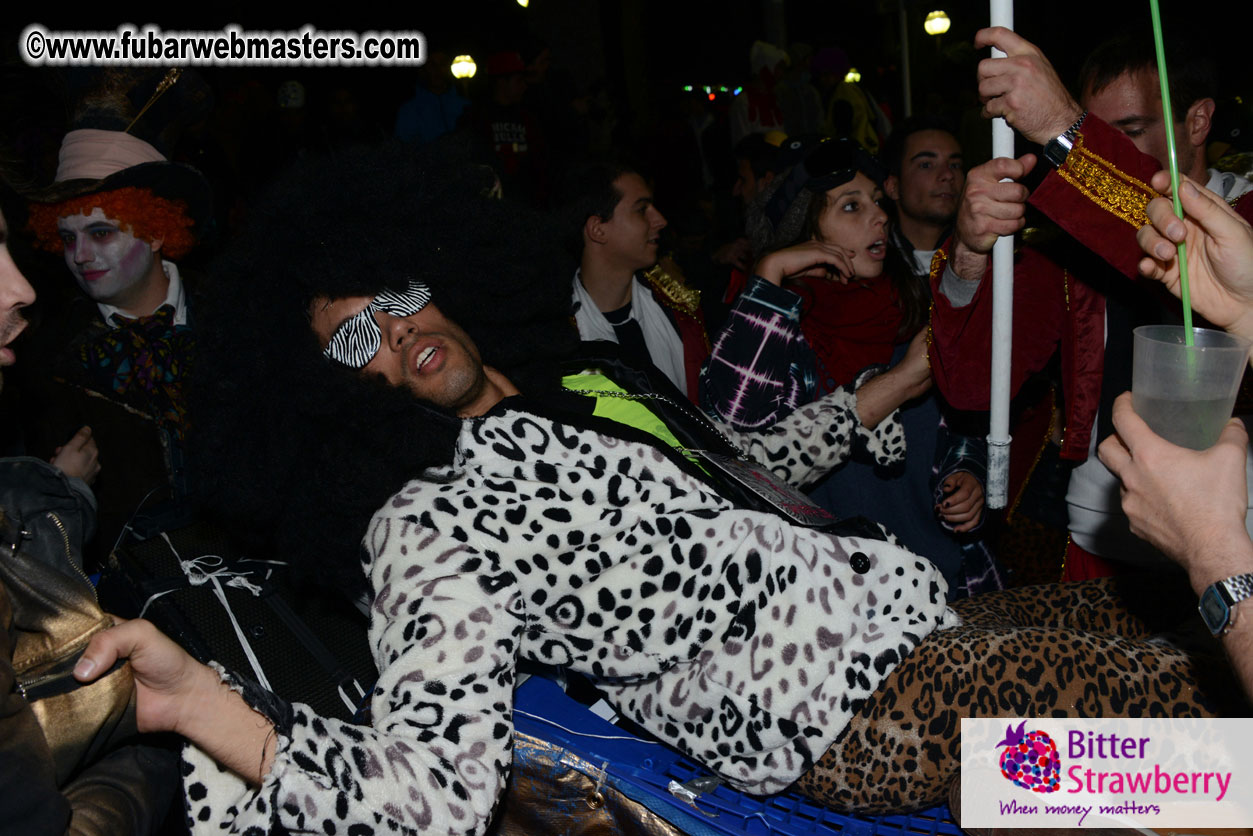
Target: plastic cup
pixel 1186 393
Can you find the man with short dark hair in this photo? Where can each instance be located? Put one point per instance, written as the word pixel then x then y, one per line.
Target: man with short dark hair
pixel 755 156
pixel 925 179
pixel 1102 155
pixel 617 297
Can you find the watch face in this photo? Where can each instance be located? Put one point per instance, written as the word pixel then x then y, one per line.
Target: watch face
pixel 1214 610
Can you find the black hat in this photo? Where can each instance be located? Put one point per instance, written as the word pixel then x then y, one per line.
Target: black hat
pixel 807 166
pixel 818 165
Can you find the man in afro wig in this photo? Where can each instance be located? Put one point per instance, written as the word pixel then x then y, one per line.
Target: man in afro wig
pixel 299 451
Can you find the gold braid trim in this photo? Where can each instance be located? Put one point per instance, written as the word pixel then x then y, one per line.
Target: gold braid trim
pixel 677 293
pixel 938 260
pixel 1100 181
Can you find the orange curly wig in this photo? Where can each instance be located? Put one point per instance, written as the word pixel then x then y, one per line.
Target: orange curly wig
pixel 148 217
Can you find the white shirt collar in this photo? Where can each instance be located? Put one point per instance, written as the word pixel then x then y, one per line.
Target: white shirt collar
pixel 1227 185
pixel 174 296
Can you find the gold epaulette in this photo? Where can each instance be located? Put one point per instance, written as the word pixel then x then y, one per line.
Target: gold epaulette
pixel 1101 182
pixel 675 291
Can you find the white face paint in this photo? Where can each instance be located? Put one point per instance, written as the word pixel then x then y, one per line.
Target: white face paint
pixel 111 265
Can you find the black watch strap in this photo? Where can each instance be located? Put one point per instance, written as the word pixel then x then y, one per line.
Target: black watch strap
pixel 1058 148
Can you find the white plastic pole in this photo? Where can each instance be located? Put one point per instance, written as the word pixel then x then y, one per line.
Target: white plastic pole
pixel 906 82
pixel 1002 310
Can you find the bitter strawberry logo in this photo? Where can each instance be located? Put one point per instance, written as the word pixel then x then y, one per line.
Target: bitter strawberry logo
pixel 1030 759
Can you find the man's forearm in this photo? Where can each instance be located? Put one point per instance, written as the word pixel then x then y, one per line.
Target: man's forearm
pixel 960 291
pixel 226 728
pixel 1208 563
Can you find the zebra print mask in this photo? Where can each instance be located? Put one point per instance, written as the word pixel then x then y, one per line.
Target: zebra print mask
pixel 358 338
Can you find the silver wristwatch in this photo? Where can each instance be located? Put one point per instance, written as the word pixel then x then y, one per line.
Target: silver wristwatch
pixel 1219 599
pixel 1058 148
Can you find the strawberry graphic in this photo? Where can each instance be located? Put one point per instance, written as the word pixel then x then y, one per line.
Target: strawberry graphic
pixel 1030 759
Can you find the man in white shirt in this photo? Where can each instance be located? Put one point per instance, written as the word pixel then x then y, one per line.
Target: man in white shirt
pixel 654 317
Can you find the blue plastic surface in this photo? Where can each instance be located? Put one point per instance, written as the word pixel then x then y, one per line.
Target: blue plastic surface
pixel 643 770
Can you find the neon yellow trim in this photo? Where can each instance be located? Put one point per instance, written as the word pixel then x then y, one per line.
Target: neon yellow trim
pixel 632 413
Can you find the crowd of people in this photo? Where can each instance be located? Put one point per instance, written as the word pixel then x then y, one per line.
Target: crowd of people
pixel 750 516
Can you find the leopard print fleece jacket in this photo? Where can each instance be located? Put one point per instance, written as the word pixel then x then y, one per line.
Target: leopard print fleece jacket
pixel 743 640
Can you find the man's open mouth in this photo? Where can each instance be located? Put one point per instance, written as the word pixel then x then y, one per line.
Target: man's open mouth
pixel 425 356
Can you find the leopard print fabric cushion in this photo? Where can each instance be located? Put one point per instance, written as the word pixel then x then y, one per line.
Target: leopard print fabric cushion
pixel 745 641
pixel 1071 650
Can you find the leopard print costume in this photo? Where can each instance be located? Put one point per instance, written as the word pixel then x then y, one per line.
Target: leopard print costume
pixel 1072 650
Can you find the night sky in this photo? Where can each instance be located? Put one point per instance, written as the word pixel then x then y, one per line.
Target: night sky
pixel 638 51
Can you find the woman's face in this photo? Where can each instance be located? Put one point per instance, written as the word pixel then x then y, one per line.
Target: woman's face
pixel 854 220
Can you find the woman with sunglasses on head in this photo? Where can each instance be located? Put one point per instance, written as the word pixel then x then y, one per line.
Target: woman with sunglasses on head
pixel 832 303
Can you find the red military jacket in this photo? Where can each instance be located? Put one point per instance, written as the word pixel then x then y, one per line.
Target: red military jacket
pixel 1098 196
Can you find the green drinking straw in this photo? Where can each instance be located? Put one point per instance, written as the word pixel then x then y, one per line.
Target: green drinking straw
pixel 1167 117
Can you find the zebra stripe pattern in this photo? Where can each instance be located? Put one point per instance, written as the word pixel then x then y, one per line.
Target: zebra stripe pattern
pixel 358 338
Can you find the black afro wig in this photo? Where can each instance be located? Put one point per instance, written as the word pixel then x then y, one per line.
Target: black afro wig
pixel 296 452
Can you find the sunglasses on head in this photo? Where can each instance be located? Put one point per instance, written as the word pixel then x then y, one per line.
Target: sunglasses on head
pixel 358 338
pixel 836 161
pixel 829 163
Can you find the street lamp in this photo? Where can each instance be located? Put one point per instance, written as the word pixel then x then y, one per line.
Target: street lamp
pixel 463 66
pixel 937 23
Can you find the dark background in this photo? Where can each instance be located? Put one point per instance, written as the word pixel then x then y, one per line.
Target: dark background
pixel 640 50
pixel 624 61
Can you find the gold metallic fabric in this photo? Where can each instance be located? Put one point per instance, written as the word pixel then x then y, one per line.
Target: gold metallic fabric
pixel 667 280
pixel 54 616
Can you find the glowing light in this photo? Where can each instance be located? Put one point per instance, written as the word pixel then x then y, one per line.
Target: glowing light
pixel 937 23
pixel 852 75
pixel 463 66
pixel 713 96
pixel 687 88
pixel 524 3
pixel 737 91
